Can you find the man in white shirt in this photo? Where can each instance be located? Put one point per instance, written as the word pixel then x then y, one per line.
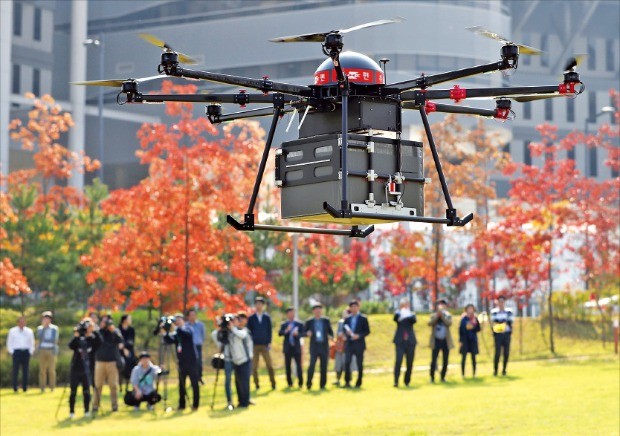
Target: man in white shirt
pixel 20 344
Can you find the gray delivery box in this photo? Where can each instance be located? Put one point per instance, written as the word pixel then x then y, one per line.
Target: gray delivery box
pixel 308 171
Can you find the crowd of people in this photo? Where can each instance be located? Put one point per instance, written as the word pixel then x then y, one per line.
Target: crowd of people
pixel 105 355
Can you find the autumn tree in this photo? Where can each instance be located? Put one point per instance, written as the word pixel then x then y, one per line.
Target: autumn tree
pixel 37 241
pixel 172 251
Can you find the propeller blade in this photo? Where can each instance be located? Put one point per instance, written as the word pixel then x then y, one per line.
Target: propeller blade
pixel 526 49
pixel 320 37
pixel 115 83
pixel 574 61
pixel 523 49
pixel 373 24
pixel 307 37
pixel 153 40
pixel 527 98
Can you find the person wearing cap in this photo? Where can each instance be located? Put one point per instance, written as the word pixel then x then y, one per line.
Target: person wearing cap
pixel 501 323
pixel 441 338
pixel 143 379
pixel 47 350
pixel 356 329
pixel 260 327
pixel 319 330
pixel 20 345
pixel 187 356
pixel 109 342
pixel 404 340
pixel 292 331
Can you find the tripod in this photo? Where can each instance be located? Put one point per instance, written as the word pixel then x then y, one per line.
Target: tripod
pixel 166 354
pixel 217 373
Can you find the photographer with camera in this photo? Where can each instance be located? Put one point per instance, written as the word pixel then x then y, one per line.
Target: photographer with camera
pixel 83 345
pixel 109 343
pixel 221 338
pixel 143 377
pixel 187 356
pixel 241 351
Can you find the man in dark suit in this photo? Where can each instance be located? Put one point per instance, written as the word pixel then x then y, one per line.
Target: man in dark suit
pixel 405 340
pixel 292 331
pixel 319 330
pixel 356 329
pixel 187 356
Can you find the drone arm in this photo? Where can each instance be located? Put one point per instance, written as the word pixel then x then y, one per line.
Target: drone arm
pixel 425 81
pixel 430 107
pixel 458 93
pixel 252 113
pixel 264 85
pixel 240 98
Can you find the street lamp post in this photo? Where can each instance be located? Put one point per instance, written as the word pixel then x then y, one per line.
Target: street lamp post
pixel 604 110
pixel 99 44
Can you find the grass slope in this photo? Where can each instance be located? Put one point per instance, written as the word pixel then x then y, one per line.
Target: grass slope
pixel 567 396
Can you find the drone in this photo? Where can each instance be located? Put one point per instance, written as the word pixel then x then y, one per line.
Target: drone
pixel 350 165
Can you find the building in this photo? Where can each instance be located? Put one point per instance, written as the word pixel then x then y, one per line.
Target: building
pixel 38 51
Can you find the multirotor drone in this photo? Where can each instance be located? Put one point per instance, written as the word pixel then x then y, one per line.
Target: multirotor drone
pixel 349 165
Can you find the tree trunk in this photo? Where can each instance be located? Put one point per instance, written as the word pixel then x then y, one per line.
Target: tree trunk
pixel 186 278
pixel 550 297
pixel 437 243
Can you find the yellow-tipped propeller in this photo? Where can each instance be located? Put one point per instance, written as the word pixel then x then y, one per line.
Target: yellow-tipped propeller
pixel 523 49
pixel 151 39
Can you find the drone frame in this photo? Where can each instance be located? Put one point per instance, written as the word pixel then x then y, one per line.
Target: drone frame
pixel 412 94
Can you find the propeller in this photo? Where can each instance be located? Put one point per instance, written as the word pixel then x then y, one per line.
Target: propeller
pixel 320 37
pixel 115 83
pixel 573 62
pixel 523 49
pixel 153 40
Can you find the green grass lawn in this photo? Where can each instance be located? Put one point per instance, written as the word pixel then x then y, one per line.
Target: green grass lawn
pixel 566 396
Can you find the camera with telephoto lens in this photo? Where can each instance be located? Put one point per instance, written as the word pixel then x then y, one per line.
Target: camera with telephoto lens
pixel 222 333
pixel 82 327
pixel 166 323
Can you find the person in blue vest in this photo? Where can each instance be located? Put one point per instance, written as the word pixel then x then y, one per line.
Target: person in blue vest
pixel 468 337
pixel 319 330
pixel 259 325
pixel 187 356
pixel 501 322
pixel 356 329
pixel 292 331
pixel 404 340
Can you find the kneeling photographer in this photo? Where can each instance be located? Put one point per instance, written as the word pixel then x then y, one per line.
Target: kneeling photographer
pixel 143 377
pixel 224 359
pixel 187 355
pixel 83 346
pixel 241 353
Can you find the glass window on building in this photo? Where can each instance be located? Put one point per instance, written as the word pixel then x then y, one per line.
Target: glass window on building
pixel 37 24
pixel 17 19
pixel 544 46
pixel 548 110
pixel 591 106
pixel 593 170
pixel 16 86
pixel 610 58
pixel 591 55
pixel 570 153
pixel 36 82
pixel 527 154
pixel 570 110
pixel 506 147
pixel 527 110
